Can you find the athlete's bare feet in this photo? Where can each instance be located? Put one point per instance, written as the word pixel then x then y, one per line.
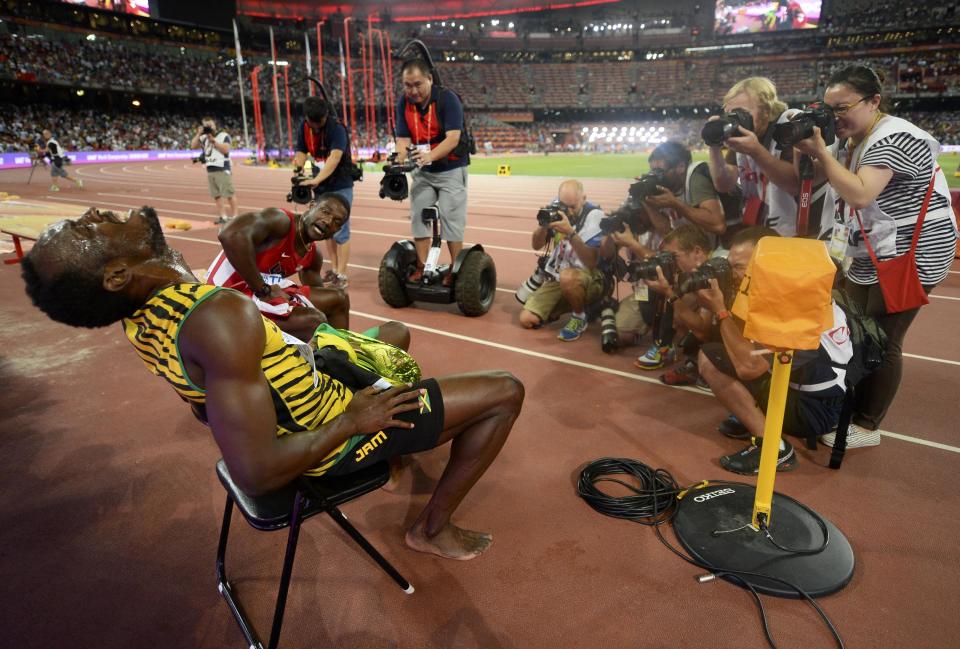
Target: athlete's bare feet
pixel 450 542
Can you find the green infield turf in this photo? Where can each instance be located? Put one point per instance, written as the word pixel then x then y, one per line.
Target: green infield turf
pixel 614 165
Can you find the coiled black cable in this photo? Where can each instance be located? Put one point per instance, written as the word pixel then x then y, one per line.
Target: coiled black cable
pixel 654 502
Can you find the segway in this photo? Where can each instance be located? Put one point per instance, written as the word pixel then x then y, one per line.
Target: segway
pixel 473 282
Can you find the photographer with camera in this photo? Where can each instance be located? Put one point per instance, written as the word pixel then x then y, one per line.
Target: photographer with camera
pixel 325 139
pixel 659 302
pixel 215 156
pixel 262 249
pixel 739 373
pixel 571 226
pixel 763 167
pixel 894 203
pixel 430 118
pixel 53 151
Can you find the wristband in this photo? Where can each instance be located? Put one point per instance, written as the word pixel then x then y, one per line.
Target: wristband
pixel 263 291
pixel 722 314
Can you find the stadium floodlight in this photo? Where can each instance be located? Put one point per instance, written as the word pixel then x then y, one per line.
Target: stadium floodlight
pixel 136 102
pixel 633 129
pixel 583 130
pixel 80 92
pixel 660 129
pixel 428 25
pixel 604 129
pixel 495 22
pixel 91 37
pixel 595 129
pixel 510 26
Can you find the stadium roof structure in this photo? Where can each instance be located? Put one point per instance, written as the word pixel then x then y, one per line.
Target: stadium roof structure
pixel 405 10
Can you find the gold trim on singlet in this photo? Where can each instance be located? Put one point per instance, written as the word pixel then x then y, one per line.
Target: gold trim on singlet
pixel 300 404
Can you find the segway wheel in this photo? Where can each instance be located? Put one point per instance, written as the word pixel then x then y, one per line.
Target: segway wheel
pixel 476 284
pixel 391 287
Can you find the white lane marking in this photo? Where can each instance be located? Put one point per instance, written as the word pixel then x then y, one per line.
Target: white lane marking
pixel 613 372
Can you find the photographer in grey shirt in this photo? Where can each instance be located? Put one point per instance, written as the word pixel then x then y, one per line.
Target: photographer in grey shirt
pixel 216 157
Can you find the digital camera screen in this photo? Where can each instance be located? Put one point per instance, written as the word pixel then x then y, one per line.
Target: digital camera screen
pixel 135 7
pixel 753 16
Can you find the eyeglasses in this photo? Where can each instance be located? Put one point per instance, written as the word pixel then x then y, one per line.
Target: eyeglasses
pixel 843 109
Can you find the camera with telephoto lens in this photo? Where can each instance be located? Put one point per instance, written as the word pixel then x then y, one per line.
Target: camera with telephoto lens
pixel 648 185
pixel 550 213
pixel 717 268
pixel 533 282
pixel 394 184
pixel 800 127
pixel 647 269
pixel 200 159
pixel 300 194
pixel 609 339
pixel 717 131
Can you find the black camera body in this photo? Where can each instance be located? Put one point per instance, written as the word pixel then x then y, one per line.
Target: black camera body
pixel 394 184
pixel 208 130
pixel 200 159
pixel 630 214
pixel 647 185
pixel 717 131
pixel 549 214
pixel 801 126
pixel 647 269
pixel 300 194
pixel 717 268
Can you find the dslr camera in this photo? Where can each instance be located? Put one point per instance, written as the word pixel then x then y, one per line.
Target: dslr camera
pixel 394 184
pixel 716 268
pixel 550 213
pixel 647 185
pixel 208 130
pixel 630 214
pixel 647 269
pixel 717 131
pixel 801 126
pixel 200 159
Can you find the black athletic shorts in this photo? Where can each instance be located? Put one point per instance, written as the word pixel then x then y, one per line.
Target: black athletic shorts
pixel 391 442
pixel 804 415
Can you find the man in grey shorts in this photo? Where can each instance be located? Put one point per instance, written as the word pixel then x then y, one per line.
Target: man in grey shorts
pixel 216 158
pixel 54 151
pixel 431 118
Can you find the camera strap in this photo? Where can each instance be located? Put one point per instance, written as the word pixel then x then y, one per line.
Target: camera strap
pixel 806 195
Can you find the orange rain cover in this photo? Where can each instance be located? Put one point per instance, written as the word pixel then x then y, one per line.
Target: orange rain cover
pixel 785 297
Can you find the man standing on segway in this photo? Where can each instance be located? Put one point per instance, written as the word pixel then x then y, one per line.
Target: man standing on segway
pixel 431 118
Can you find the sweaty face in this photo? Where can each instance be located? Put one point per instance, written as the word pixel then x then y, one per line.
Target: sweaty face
pixel 745 101
pixel 855 113
pixel 417 86
pixel 323 220
pixel 739 259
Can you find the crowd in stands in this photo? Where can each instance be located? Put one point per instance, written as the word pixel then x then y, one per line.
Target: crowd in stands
pixel 97 130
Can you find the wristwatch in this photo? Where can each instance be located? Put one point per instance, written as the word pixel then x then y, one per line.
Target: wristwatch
pixel 721 314
pixel 263 291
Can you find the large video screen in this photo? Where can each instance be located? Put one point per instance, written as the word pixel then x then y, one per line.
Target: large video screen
pixel 135 7
pixel 753 16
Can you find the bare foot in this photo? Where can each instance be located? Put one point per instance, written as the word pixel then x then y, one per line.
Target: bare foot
pixel 451 542
pixel 396 469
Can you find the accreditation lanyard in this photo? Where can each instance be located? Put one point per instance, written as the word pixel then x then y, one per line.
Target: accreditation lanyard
pixel 416 126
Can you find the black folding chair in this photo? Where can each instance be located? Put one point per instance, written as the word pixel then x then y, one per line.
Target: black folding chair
pixel 288 508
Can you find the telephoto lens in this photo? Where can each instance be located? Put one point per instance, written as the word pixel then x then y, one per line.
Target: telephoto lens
pixel 530 285
pixel 609 340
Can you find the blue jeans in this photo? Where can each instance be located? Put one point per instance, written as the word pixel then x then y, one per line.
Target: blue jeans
pixel 342 235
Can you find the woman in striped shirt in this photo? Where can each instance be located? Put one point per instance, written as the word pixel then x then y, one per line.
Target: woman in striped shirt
pixel 882 172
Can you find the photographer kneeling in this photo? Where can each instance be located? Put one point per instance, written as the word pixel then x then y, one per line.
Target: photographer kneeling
pixel 572 226
pixel 669 310
pixel 739 374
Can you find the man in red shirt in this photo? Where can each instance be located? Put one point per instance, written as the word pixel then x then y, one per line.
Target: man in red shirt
pixel 261 250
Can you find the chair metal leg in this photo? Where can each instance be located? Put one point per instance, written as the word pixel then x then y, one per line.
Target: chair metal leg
pixel 224 586
pixel 292 538
pixel 342 521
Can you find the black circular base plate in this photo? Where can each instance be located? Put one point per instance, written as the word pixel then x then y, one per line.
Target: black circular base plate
pixel 728 506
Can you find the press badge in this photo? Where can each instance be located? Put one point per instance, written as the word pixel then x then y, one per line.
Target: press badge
pixel 838 241
pixel 641 292
pixel 271 279
pixel 423 148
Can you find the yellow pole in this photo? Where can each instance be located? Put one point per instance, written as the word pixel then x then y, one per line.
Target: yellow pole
pixel 772 430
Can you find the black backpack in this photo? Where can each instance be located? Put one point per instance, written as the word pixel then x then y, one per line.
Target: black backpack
pixel 867 336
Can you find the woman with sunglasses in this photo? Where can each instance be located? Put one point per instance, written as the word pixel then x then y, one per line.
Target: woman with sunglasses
pixel 883 173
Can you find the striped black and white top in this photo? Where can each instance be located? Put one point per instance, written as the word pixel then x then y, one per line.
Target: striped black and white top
pixel 912 164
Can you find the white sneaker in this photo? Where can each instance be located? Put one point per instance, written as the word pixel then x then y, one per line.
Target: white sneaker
pixel 856 437
pixel 54 188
